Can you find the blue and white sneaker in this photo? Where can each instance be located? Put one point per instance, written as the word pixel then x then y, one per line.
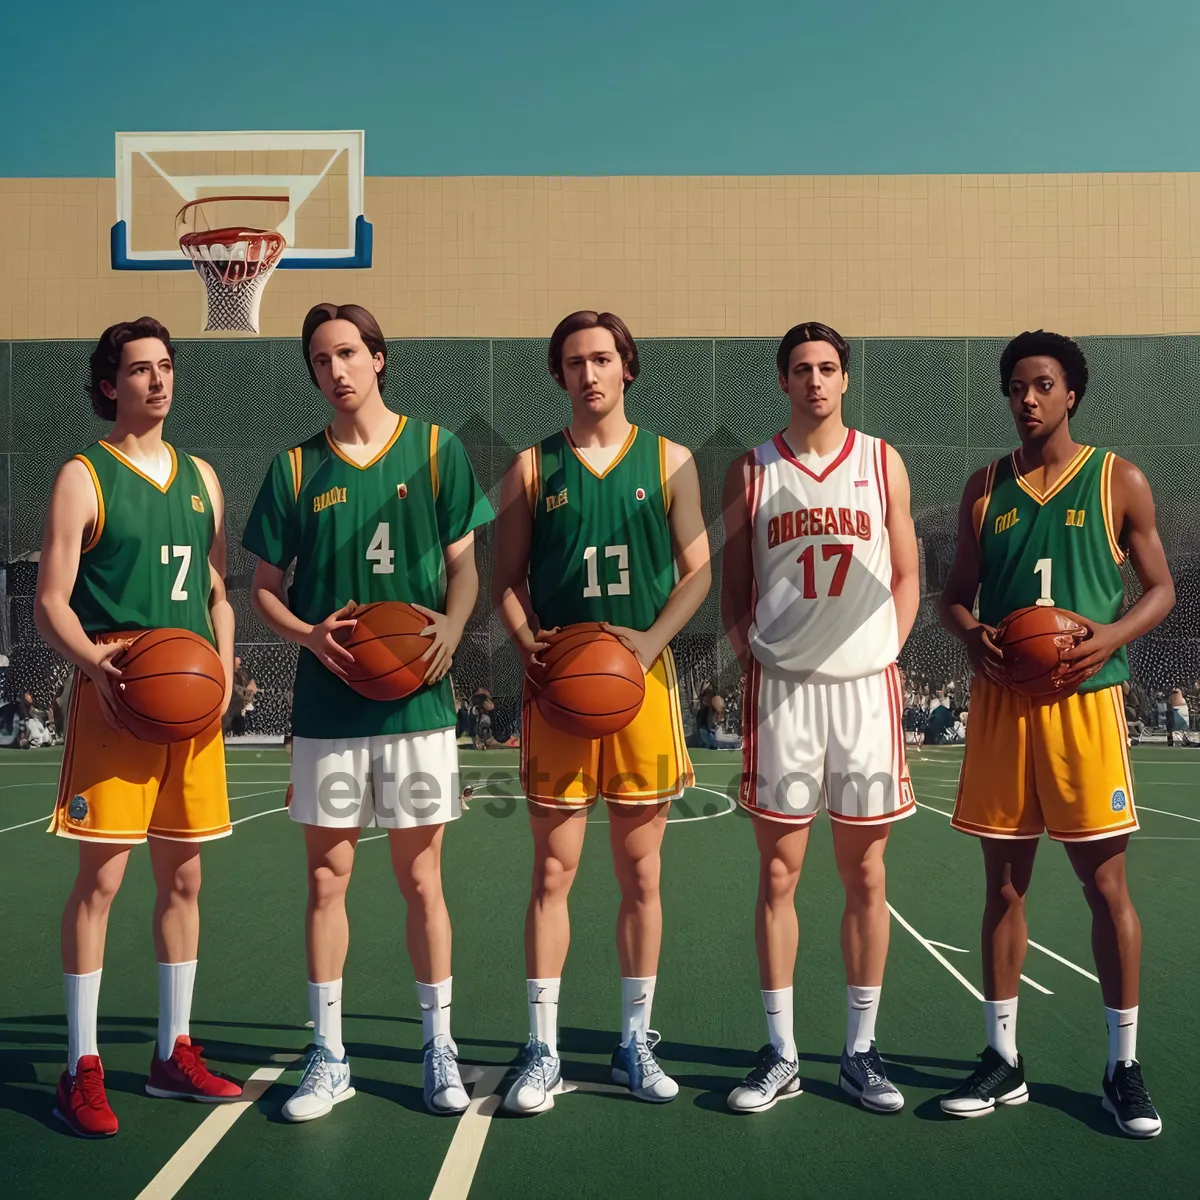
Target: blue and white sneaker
pixel 538 1083
pixel 325 1082
pixel 863 1076
pixel 636 1067
pixel 773 1078
pixel 444 1091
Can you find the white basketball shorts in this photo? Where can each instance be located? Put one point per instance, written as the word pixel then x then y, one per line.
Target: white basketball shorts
pixel 394 781
pixel 837 744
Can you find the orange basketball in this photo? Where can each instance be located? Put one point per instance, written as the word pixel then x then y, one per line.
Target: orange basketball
pixel 592 685
pixel 1033 640
pixel 387 646
pixel 172 686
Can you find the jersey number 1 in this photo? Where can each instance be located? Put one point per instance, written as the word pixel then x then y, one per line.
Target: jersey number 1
pixel 621 587
pixel 1042 569
pixel 178 592
pixel 839 550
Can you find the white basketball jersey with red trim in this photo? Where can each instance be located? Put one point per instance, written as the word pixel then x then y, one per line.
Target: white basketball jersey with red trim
pixel 823 607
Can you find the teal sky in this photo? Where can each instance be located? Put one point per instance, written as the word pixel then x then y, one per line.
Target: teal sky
pixel 457 87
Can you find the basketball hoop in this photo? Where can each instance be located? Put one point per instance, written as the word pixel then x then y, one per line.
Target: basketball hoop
pixel 235 263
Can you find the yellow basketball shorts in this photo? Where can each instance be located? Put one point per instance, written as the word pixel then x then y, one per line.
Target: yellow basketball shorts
pixel 1061 768
pixel 113 787
pixel 645 763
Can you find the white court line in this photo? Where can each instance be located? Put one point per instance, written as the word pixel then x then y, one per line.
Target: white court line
pixel 939 811
pixel 462 1157
pixel 1140 837
pixel 1162 812
pixel 944 946
pixel 254 816
pixel 939 956
pixel 183 1163
pixel 1066 962
pixel 1034 984
pixel 36 821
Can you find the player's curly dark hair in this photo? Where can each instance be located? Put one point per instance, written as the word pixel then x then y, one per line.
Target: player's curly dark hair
pixel 810 331
pixel 590 319
pixel 363 321
pixel 106 358
pixel 1040 344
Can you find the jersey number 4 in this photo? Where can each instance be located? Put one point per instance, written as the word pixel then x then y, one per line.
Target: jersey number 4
pixel 621 587
pixel 178 591
pixel 380 552
pixel 839 550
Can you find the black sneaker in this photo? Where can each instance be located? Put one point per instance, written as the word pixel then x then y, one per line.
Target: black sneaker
pixel 996 1081
pixel 1125 1096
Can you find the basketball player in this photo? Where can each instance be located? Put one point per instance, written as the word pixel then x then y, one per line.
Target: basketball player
pixel 820 590
pixel 135 540
pixel 599 522
pixel 1051 524
pixel 377 506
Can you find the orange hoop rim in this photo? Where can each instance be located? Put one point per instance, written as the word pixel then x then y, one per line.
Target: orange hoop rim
pixel 231 235
pixel 232 196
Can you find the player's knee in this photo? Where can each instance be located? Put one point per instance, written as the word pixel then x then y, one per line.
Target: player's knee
pixel 640 878
pixel 327 887
pixel 864 880
pixel 421 887
pixel 1006 896
pixel 1108 890
pixel 779 882
pixel 552 880
pixel 97 891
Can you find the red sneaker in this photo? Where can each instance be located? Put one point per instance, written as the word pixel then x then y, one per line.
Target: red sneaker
pixel 82 1101
pixel 185 1077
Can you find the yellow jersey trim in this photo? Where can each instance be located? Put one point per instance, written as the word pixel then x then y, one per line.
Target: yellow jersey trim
pixel 989 482
pixel 296 460
pixel 633 429
pixel 662 474
pixel 1073 468
pixel 366 466
pixel 98 528
pixel 433 462
pixel 162 487
pixel 1106 474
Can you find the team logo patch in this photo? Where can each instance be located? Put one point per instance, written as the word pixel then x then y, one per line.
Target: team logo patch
pixel 556 500
pixel 860 483
pixel 197 504
pixel 78 808
pixel 1118 800
pixel 401 490
pixel 640 493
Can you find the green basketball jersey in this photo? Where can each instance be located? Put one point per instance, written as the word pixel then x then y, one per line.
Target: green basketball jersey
pixel 1057 548
pixel 145 565
pixel 601 548
pixel 375 532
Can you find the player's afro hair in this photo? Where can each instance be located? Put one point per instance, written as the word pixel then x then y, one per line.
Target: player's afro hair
pixel 1040 344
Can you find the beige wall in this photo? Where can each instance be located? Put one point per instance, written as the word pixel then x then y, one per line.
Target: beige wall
pixel 703 256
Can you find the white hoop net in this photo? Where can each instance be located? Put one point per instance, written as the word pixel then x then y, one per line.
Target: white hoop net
pixel 234 271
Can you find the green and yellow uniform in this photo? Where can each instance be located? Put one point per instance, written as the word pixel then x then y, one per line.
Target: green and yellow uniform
pixel 601 551
pixel 366 533
pixel 1061 765
pixel 145 565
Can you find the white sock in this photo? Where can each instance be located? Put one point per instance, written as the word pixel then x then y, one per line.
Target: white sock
pixel 1001 1018
pixel 82 994
pixel 543 1012
pixel 637 998
pixel 434 999
pixel 1122 1035
pixel 778 1007
pixel 175 983
pixel 325 1007
pixel 862 1006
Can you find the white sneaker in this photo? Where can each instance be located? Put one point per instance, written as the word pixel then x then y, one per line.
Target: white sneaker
pixel 325 1082
pixel 773 1078
pixel 538 1083
pixel 444 1091
pixel 636 1067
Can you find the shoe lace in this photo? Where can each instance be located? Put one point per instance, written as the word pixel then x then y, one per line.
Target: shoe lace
pixel 316 1074
pixel 187 1059
pixel 1133 1088
pixel 771 1065
pixel 872 1066
pixel 91 1088
pixel 442 1063
pixel 537 1067
pixel 986 1072
pixel 643 1052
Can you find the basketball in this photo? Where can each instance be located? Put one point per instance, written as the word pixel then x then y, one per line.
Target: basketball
pixel 387 646
pixel 593 685
pixel 1032 640
pixel 172 686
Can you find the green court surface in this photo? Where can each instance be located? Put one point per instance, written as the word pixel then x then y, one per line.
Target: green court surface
pixel 250 1014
